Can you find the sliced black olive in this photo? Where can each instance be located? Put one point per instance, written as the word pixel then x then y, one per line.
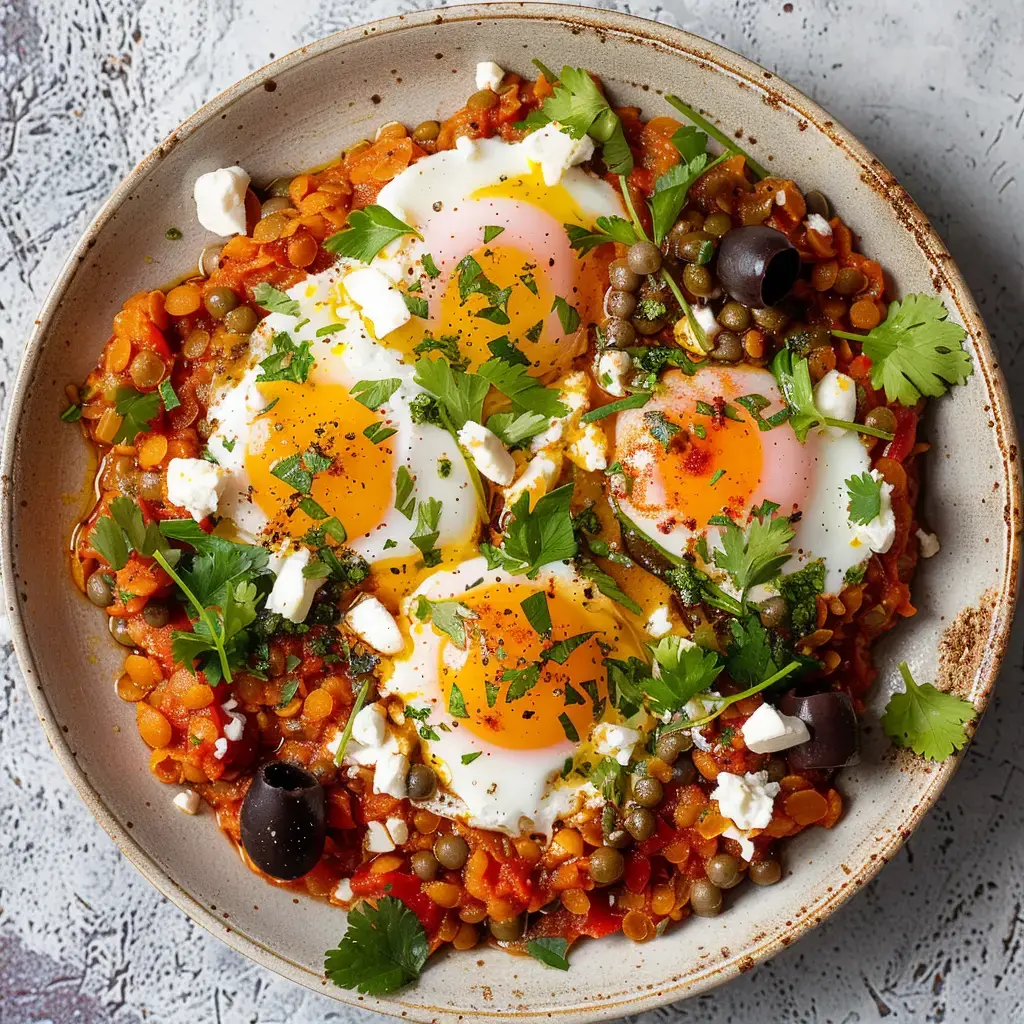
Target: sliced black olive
pixel 757 265
pixel 832 723
pixel 284 820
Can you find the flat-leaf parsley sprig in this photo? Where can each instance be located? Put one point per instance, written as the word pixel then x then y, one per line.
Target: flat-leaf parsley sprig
pixel 927 720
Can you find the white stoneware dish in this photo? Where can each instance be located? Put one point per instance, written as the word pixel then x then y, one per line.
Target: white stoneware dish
pixel 298 112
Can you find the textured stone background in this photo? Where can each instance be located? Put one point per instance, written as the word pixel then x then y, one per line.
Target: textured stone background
pixel 932 86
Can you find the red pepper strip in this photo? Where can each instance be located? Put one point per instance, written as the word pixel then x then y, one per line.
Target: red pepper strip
pixel 638 872
pixel 658 841
pixel 403 887
pixel 906 434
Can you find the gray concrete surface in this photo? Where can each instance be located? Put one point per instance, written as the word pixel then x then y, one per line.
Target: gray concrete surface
pixel 934 87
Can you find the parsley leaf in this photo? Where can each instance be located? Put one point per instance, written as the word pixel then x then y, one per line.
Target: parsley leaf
pixel 404 500
pixel 559 652
pixel 491 231
pixel 473 281
pixel 429 265
pixel 865 498
pixel 915 350
pixel 460 395
pixel 374 393
pixel 628 681
pixel 609 229
pixel 447 616
pixel 717 134
pixel 457 703
pixel 606 583
pixel 684 670
pixel 502 348
pixel 269 297
pixel 168 395
pixel 428 515
pixel 383 949
pixel 636 401
pixel 670 190
pixel 368 231
pixel 549 951
pixel 516 427
pixel 136 410
pixel 527 392
pixel 535 538
pixel 447 345
pixel 749 657
pixel 927 720
pixel 287 361
pixel 535 608
pixel 568 317
pixel 754 555
pixel 522 680
pixel 661 429
pixel 417 305
pixel 298 470
pixel 108 540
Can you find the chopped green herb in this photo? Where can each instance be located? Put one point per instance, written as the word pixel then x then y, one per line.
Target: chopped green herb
pixel 269 297
pixel 374 393
pixel 287 361
pixel 368 231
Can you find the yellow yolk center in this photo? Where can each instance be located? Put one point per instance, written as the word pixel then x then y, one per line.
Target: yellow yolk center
pixel 501 638
pixel 676 485
pixel 356 488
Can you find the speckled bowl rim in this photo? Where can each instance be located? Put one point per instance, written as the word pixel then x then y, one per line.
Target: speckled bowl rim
pixel 715 59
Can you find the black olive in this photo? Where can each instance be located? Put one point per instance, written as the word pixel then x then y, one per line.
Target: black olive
pixel 757 265
pixel 832 723
pixel 284 820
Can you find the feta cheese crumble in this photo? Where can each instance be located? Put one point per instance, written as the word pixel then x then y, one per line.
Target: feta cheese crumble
pixel 195 485
pixel 746 799
pixel 220 200
pixel 292 594
pixel 488 453
pixel 615 741
pixel 375 625
pixel 489 75
pixel 768 730
pixel 187 801
pixel 613 369
pixel 929 543
pixel 380 302
pixel 816 223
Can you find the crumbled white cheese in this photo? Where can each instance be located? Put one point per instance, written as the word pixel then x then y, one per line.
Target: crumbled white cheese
pixel 878 534
pixel 683 332
pixel 746 799
pixel 489 75
pixel 660 622
pixel 220 200
pixel 375 625
pixel 589 450
pixel 466 147
pixel 195 485
pixel 613 369
pixel 816 223
pixel 371 745
pixel 556 151
pixel 929 543
pixel 489 455
pixel 188 801
pixel 615 741
pixel 398 830
pixel 343 891
pixel 780 197
pixel 540 475
pixel 746 846
pixel 377 838
pixel 220 748
pixel 234 727
pixel 292 594
pixel 768 730
pixel 835 395
pixel 380 302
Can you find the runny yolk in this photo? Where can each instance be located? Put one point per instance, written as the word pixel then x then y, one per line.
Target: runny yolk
pixel 502 638
pixel 356 487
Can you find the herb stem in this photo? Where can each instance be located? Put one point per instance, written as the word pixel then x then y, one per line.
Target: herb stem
pixel 346 734
pixel 717 134
pixel 848 336
pixel 726 701
pixel 861 428
pixel 628 199
pixel 204 615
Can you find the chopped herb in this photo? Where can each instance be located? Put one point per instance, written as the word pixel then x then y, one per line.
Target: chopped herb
pixel 287 361
pixel 168 396
pixel 609 230
pixel 717 134
pixel 502 348
pixel 404 501
pixel 716 476
pixel 368 231
pixel 637 401
pixel 269 297
pixel 533 333
pixel 927 720
pixel 429 265
pixel 535 608
pixel 378 433
pixel 444 468
pixel 801 590
pixel 865 494
pixel 72 414
pixel 448 616
pixel 374 393
pixel 417 305
pixel 428 515
pixel 457 703
pixel 661 429
pixel 322 332
pixel 568 728
pixel 288 691
pixel 447 345
pixel 567 315
pixel 136 410
pixel 491 231
pixel 470 758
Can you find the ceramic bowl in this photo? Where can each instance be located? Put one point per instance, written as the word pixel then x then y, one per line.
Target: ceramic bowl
pixel 299 112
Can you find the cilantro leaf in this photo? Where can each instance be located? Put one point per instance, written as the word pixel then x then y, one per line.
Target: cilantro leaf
pixel 108 540
pixel 287 361
pixel 927 720
pixel 716 133
pixel 608 777
pixel 749 657
pixel 368 231
pixel 535 608
pixel 383 949
pixel 865 498
pixel 136 410
pixel 916 350
pixel 447 616
pixel 684 670
pixel 549 951
pixel 755 555
pixel 417 305
pixel 374 393
pixel 447 345
pixel 535 538
pixel 269 297
pixel 801 589
pixel 527 392
pixel 502 348
pixel 430 266
pixel 628 681
pixel 606 583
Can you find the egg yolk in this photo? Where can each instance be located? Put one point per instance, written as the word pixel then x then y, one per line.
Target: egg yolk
pixel 326 420
pixel 501 638
pixel 515 232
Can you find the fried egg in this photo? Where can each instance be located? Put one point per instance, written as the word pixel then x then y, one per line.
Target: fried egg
pixel 502 755
pixel 682 466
